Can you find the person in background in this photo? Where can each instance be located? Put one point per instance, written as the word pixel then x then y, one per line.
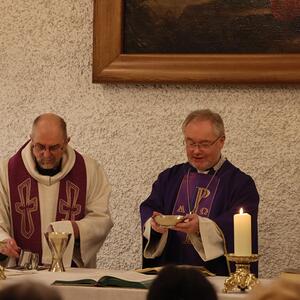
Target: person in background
pixel 207 190
pixel 181 283
pixel 31 290
pixel 279 289
pixel 48 186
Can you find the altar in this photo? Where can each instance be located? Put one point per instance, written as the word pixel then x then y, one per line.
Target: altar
pixel 104 293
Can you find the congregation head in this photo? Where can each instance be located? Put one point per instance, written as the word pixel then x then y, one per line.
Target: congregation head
pixel 31 290
pixel 181 283
pixel 279 289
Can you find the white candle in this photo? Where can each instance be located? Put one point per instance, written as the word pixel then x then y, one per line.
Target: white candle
pixel 242 234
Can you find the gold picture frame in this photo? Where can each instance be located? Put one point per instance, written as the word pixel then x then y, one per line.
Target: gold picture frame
pixel 111 65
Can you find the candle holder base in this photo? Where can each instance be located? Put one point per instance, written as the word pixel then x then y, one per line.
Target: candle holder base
pixel 2 269
pixel 242 279
pixel 2 274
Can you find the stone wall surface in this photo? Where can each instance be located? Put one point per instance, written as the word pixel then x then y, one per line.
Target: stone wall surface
pixel 134 130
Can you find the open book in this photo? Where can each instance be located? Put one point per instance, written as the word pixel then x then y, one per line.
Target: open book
pixel 155 270
pixel 128 279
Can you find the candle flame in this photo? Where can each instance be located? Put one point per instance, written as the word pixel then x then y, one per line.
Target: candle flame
pixel 241 210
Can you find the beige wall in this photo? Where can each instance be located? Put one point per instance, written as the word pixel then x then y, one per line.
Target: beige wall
pixel 134 130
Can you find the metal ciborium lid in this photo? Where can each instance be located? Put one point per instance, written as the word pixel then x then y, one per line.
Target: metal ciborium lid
pixel 57 242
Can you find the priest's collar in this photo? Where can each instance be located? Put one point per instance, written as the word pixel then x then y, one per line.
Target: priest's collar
pixel 213 169
pixel 48 172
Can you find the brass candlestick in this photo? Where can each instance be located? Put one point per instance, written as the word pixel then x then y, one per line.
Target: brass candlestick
pixel 2 274
pixel 242 279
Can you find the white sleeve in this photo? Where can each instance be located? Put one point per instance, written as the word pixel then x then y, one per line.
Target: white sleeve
pixel 209 242
pixel 96 224
pixel 5 221
pixel 153 248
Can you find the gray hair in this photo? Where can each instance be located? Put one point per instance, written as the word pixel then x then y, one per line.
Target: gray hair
pixel 206 115
pixel 60 120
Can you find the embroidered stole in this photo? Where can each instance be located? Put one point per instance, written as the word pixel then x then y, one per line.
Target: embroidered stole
pixel 24 200
pixel 196 192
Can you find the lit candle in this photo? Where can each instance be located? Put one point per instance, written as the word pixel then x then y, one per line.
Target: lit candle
pixel 242 234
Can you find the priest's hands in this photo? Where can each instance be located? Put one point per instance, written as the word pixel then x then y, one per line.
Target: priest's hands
pixel 155 226
pixel 189 225
pixel 9 247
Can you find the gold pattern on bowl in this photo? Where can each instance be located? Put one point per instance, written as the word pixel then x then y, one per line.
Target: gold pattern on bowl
pixel 168 220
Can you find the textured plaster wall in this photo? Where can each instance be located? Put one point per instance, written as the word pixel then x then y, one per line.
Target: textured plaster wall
pixel 134 130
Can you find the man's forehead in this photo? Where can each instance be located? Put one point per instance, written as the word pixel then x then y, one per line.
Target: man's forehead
pixel 45 136
pixel 200 123
pixel 199 129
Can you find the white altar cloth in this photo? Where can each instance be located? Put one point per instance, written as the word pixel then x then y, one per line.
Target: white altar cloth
pixel 103 293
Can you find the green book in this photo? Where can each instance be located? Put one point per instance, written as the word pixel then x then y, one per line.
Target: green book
pixel 107 281
pixel 156 270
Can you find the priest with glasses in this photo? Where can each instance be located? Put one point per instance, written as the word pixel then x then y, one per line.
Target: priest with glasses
pixel 207 191
pixel 48 186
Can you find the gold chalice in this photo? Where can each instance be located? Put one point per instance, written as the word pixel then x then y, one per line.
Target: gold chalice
pixel 57 242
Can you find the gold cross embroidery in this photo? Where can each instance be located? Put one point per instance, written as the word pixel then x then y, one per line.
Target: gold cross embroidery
pixel 181 209
pixel 26 207
pixel 70 208
pixel 201 194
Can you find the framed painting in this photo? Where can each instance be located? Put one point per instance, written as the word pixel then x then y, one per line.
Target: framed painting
pixel 234 43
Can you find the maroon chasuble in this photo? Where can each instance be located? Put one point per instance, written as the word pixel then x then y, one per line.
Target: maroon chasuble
pixel 24 201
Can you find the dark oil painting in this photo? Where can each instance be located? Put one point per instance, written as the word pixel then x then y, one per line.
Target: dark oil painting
pixel 211 26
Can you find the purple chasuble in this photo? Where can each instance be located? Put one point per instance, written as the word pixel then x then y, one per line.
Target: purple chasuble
pixel 24 201
pixel 229 190
pixel 196 195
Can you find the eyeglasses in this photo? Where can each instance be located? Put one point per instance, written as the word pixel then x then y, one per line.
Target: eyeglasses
pixel 202 145
pixel 42 148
